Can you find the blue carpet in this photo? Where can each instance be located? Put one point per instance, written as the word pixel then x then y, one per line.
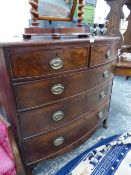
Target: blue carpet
pixel 109 156
pixel 73 162
pixel 119 121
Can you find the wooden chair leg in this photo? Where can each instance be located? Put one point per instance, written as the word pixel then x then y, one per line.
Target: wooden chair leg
pixel 105 125
pixel 19 165
pixel 127 77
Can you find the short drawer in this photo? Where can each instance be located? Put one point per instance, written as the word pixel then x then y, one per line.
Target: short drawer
pixel 46 145
pixel 53 116
pixel 41 63
pixel 34 94
pixel 103 54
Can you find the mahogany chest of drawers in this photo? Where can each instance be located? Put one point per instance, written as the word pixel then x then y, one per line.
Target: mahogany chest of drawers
pixel 56 93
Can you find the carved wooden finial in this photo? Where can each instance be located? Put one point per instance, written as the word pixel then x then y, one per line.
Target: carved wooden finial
pixel 114 18
pixel 34 12
pixel 127 34
pixel 80 12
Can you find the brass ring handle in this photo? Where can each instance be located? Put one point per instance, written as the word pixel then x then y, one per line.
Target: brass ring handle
pixel 56 63
pixel 57 116
pixel 102 94
pixel 108 54
pixel 57 89
pixel 106 74
pixel 58 141
pixel 100 115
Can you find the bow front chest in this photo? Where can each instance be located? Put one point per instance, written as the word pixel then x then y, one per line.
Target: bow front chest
pixel 55 93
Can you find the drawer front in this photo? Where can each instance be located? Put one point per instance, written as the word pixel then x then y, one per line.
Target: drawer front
pixel 39 93
pixel 103 54
pixel 38 63
pixel 46 145
pixel 48 118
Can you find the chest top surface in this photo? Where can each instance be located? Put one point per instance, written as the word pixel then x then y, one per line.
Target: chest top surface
pixel 48 41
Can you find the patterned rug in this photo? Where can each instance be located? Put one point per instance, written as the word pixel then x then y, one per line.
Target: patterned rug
pixel 110 156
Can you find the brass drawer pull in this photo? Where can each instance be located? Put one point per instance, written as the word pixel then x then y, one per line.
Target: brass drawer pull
pixel 106 74
pixel 57 116
pixel 102 95
pixel 56 63
pixel 57 89
pixel 108 54
pixel 100 115
pixel 58 141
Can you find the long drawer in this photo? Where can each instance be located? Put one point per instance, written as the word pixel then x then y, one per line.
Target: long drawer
pixel 59 114
pixel 42 92
pixel 46 145
pixel 38 63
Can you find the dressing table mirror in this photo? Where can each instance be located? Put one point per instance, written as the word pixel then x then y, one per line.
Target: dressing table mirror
pixel 56 10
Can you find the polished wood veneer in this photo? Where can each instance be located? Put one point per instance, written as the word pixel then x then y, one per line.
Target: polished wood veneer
pixel 55 93
pixel 72 109
pixel 37 93
pixel 43 146
pixel 102 54
pixel 37 63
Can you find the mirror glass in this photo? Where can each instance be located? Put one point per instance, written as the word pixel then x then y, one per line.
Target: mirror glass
pixel 55 8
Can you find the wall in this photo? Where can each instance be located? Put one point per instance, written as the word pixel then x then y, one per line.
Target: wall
pixel 102 10
pixel 14 15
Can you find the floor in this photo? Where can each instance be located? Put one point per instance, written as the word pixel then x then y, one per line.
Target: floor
pixel 119 121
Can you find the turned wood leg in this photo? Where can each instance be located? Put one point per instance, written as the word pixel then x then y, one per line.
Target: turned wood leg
pixel 127 77
pixel 105 124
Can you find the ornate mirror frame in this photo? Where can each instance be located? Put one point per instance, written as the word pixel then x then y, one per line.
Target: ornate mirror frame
pixel 36 15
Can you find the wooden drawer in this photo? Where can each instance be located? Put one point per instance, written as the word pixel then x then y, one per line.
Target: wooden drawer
pixel 49 118
pixel 38 93
pixel 44 146
pixel 41 63
pixel 103 54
